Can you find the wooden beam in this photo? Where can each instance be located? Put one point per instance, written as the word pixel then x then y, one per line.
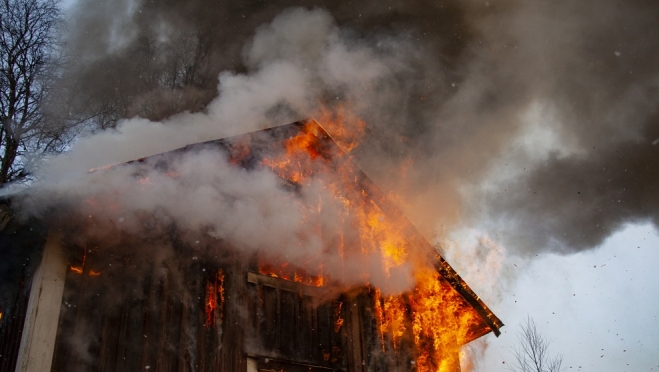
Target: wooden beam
pixel 40 330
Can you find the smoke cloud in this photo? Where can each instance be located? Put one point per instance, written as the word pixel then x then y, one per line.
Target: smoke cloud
pixel 581 167
pixel 213 203
pixel 300 64
pixel 535 120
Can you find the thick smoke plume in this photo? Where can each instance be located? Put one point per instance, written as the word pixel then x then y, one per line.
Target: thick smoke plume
pixel 300 64
pixel 583 167
pixel 538 115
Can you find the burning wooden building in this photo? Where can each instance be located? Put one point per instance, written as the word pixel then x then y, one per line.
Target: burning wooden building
pixel 170 297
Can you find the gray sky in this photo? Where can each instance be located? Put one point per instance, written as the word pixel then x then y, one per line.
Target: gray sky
pixel 599 308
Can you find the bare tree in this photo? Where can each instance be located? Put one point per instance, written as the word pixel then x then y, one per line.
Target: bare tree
pixel 532 354
pixel 27 38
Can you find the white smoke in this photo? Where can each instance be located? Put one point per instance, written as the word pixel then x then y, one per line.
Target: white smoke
pixel 293 61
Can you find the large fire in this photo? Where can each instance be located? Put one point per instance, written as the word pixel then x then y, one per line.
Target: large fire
pixel 433 317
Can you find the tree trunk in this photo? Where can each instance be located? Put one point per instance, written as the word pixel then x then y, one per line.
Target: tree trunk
pixel 10 151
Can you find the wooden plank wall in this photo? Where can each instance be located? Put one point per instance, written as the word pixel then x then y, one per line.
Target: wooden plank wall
pixel 283 326
pixel 21 247
pixel 11 328
pixel 164 330
pixel 295 323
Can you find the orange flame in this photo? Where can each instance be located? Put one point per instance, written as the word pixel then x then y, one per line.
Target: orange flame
pixel 441 322
pixel 214 303
pixel 304 155
pixel 338 318
pixel 80 269
pixel 343 125
pixel 294 164
pixel 434 317
pixel 286 272
pixel 390 313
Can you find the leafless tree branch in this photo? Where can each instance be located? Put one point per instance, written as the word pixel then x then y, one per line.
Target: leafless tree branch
pixel 27 38
pixel 531 353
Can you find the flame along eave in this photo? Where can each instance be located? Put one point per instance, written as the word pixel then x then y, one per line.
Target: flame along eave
pixel 443 267
pixel 491 320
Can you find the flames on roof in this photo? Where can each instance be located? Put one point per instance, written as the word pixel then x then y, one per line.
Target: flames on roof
pixel 441 311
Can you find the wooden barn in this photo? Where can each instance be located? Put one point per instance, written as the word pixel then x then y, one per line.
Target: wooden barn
pixel 93 304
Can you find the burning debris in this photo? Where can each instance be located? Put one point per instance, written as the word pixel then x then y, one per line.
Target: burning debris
pixel 347 283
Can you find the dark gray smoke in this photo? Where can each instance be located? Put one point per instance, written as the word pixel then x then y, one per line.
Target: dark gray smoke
pixel 157 58
pixel 537 115
pixel 592 69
